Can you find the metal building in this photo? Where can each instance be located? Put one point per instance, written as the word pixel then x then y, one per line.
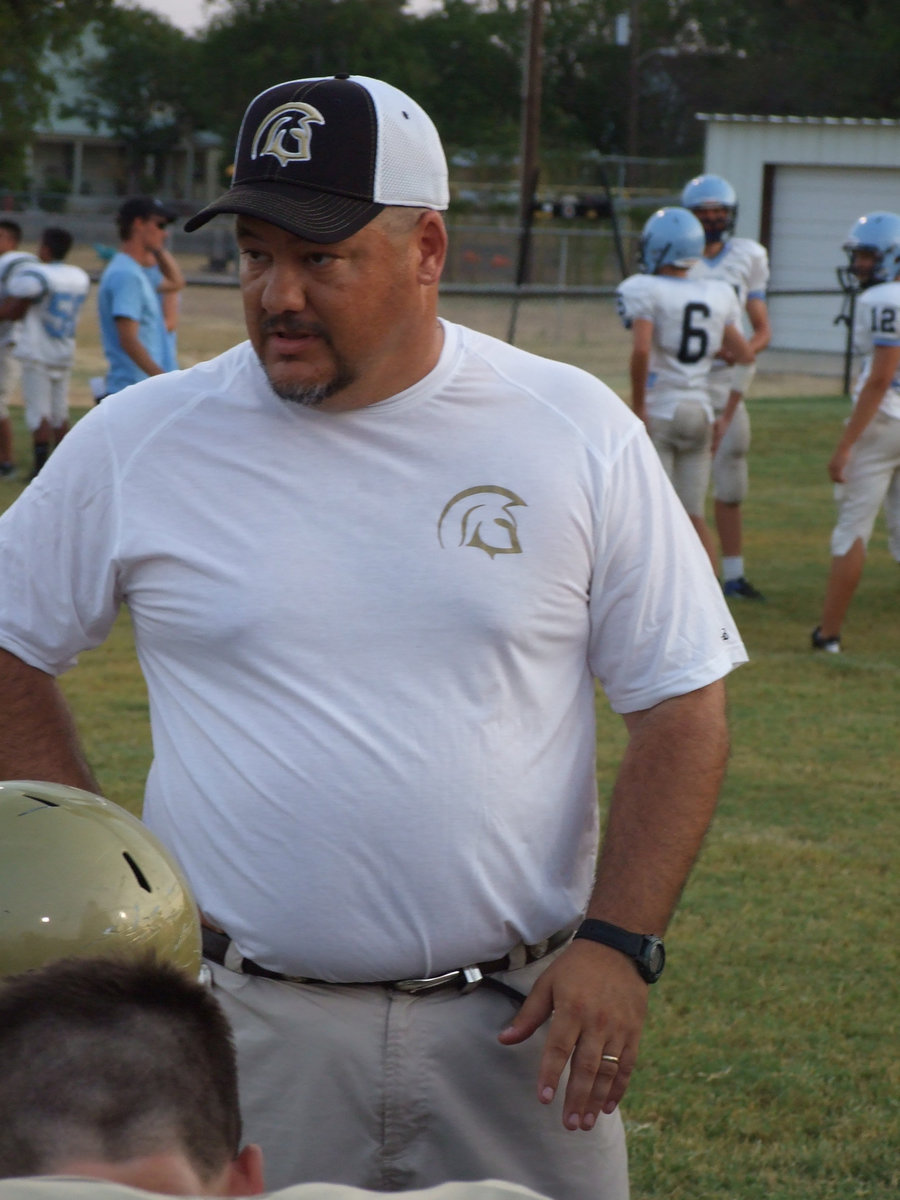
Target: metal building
pixel 802 182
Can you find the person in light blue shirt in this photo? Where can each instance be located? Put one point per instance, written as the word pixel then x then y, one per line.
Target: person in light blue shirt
pixel 132 327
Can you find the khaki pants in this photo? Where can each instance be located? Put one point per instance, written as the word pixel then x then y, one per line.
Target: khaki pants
pixel 373 1087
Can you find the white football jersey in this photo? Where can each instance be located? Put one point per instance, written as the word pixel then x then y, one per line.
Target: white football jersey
pixel 876 322
pixel 9 263
pixel 741 262
pixel 47 331
pixel 689 318
pixel 745 265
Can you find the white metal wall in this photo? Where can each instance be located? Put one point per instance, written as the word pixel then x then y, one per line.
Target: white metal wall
pixel 826 174
pixel 813 209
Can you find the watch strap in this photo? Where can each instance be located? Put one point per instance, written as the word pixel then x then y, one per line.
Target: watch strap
pixel 611 935
pixel 646 950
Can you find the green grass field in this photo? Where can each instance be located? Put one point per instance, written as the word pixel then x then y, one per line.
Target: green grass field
pixel 770 1066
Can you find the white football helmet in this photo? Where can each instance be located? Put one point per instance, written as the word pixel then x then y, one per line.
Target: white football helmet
pixel 80 876
pixel 706 192
pixel 876 234
pixel 671 237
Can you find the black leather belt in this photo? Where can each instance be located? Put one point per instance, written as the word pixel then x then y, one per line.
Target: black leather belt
pixel 219 948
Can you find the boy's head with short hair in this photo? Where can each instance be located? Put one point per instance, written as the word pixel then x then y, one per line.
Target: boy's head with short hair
pixel 108 1063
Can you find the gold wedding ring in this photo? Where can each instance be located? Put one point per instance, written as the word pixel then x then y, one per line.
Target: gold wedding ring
pixel 608 1058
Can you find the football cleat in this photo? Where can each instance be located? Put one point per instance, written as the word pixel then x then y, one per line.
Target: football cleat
pixel 831 645
pixel 742 588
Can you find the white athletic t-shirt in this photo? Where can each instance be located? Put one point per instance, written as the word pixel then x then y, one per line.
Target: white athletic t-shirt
pixel 689 319
pixel 370 638
pixel 47 331
pixel 877 323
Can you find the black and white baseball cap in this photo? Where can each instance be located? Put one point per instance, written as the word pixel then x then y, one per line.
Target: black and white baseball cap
pixel 322 157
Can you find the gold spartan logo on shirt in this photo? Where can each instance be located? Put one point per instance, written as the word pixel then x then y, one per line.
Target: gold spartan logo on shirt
pixel 289 120
pixel 478 517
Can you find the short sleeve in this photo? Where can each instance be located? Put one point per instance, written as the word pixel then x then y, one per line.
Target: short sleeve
pixel 26 283
pixel 659 625
pixel 758 274
pixel 882 319
pixel 129 293
pixel 633 301
pixel 57 544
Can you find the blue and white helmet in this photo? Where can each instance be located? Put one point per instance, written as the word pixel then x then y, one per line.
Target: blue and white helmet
pixel 712 191
pixel 671 237
pixel 879 234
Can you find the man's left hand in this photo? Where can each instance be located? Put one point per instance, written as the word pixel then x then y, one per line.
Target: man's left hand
pixel 596 1003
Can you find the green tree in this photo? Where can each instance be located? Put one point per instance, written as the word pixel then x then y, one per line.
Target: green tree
pixel 28 28
pixel 258 43
pixel 140 86
pixel 468 72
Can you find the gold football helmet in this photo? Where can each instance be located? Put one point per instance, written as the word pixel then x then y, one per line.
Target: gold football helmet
pixel 80 876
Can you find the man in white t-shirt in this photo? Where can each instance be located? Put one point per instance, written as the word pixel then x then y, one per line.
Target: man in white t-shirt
pixel 374 563
pixel 54 292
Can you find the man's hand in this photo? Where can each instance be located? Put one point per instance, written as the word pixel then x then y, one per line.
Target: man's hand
pixel 596 1003
pixel 837 465
pixel 720 428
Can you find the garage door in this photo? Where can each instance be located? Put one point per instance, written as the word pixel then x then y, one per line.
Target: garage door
pixel 812 210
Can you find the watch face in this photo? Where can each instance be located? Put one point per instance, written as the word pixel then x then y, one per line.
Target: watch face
pixel 653 959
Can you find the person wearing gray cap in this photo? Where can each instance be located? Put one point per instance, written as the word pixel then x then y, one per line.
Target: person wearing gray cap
pixel 375 562
pixel 132 324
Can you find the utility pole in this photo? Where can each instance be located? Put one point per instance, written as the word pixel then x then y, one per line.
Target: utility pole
pixel 530 132
pixel 632 144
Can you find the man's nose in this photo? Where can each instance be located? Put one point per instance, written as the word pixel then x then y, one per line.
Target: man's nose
pixel 285 290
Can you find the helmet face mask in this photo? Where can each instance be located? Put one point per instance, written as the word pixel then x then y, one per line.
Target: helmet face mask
pixel 671 237
pixel 873 251
pixel 81 876
pixel 713 201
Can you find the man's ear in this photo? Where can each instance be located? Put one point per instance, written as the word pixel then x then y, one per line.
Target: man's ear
pixel 245 1174
pixel 431 242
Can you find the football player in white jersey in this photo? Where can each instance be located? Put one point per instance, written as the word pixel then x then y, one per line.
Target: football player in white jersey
pixel 678 327
pixel 54 292
pixel 744 264
pixel 865 466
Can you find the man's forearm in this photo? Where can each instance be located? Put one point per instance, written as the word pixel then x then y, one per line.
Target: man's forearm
pixel 664 799
pixel 38 738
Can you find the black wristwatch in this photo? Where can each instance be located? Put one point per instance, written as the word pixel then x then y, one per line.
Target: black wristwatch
pixel 645 949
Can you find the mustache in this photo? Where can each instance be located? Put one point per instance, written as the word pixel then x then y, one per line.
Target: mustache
pixel 292 326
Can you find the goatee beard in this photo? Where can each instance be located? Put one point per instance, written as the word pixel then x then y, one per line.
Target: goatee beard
pixel 309 395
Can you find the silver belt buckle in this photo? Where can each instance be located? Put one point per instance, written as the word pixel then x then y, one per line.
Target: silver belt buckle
pixel 467 979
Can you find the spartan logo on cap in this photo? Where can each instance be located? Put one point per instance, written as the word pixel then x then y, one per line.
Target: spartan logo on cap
pixel 288 120
pixel 478 518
